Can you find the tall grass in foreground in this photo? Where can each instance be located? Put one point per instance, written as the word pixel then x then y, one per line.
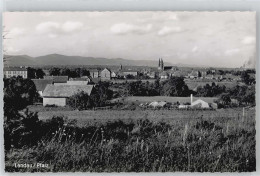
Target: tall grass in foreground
pixel 198 145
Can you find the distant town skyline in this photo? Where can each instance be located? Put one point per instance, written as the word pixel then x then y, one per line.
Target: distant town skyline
pixel 221 39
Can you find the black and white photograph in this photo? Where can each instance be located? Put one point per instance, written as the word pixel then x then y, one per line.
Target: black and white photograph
pixel 121 91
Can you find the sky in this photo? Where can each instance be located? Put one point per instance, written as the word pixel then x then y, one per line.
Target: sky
pixel 218 39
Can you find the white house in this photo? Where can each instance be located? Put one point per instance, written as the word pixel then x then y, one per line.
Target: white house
pixel 15 71
pixel 200 104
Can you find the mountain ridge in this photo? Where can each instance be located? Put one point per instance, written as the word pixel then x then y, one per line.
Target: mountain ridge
pixel 58 59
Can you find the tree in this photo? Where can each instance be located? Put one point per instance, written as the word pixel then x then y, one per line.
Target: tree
pixel 225 98
pixel 247 79
pixel 39 73
pixel 35 73
pixel 100 94
pixel 18 93
pixel 54 71
pixel 175 86
pixel 80 101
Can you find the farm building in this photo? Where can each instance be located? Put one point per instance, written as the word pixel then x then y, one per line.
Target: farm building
pixel 105 74
pixel 57 79
pixel 94 73
pixel 155 104
pixel 200 104
pixel 113 75
pixel 15 71
pixel 58 94
pixel 40 84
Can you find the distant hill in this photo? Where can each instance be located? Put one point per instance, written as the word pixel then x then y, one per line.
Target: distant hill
pixel 57 59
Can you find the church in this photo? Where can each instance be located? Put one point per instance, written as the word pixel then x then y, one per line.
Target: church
pixel 161 66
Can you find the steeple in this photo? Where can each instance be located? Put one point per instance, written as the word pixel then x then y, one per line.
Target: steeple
pixel 159 65
pixel 162 64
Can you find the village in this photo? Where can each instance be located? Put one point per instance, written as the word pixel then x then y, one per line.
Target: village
pixel 55 90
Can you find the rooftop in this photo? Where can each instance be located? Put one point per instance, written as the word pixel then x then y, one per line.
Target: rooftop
pixel 15 69
pixel 65 90
pixel 40 84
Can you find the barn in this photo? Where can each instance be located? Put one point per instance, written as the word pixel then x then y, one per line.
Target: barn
pixel 40 84
pixel 58 94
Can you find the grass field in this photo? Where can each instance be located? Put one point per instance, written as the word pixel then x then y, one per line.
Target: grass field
pixel 145 141
pixel 102 116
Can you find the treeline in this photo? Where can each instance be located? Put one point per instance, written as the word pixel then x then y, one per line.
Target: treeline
pixel 99 96
pixel 174 86
pixel 72 73
pixel 233 72
pixel 35 73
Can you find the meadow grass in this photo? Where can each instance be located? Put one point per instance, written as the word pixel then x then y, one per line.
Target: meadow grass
pixel 192 144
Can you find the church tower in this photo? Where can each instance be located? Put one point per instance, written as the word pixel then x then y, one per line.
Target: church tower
pixel 161 65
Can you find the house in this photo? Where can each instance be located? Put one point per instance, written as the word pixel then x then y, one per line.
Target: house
pixel 41 84
pixel 151 75
pixel 58 94
pixel 15 71
pixel 105 74
pixel 57 79
pixel 179 73
pixel 113 75
pixel 164 75
pixel 200 104
pixel 129 72
pixel 170 68
pixel 193 74
pixel 94 73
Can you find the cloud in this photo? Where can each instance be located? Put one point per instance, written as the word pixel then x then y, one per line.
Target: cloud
pixel 46 14
pixel 248 40
pixel 173 17
pixel 71 26
pixel 168 30
pixel 125 28
pixel 53 28
pixel 52 35
pixel 47 27
pixel 194 49
pixel 231 52
pixel 15 32
pixel 11 50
